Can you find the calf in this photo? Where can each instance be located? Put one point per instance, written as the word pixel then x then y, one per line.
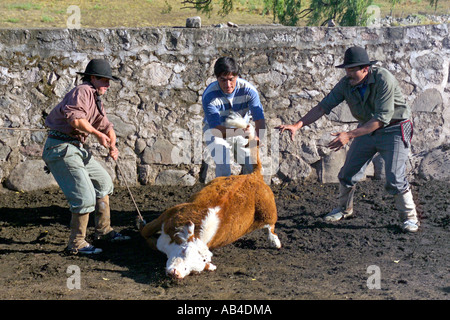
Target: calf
pixel 226 209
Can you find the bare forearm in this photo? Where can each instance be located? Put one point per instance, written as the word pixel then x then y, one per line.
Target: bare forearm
pixel 112 136
pixel 84 126
pixel 369 127
pixel 342 138
pixel 312 116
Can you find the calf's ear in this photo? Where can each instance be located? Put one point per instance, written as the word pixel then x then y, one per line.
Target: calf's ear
pixel 190 229
pixel 186 232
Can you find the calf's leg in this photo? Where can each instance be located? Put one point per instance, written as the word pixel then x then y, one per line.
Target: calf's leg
pixel 274 241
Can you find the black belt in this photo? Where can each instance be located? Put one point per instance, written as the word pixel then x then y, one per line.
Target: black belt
pixel 395 121
pixel 58 135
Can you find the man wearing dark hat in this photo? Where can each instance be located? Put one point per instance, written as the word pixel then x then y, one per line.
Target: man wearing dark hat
pixel 84 182
pixel 375 100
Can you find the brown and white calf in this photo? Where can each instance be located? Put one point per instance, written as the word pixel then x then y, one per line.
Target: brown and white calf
pixel 226 209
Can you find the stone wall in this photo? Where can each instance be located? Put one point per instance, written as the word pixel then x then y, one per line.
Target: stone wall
pixel 156 107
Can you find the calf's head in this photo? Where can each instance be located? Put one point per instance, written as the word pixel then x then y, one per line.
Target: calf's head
pixel 191 255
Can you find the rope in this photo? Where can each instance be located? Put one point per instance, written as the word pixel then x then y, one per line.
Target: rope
pixel 129 191
pixel 22 129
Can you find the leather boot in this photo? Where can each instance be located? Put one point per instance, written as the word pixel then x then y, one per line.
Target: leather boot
pixel 408 215
pixel 345 208
pixel 103 229
pixel 102 217
pixel 78 226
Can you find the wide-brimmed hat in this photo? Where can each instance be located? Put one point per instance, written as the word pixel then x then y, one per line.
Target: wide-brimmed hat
pixel 99 68
pixel 356 56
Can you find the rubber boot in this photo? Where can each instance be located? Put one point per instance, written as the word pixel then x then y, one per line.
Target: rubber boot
pixel 408 215
pixel 345 208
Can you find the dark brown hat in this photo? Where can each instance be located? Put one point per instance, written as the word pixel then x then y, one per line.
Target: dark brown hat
pixel 99 68
pixel 356 56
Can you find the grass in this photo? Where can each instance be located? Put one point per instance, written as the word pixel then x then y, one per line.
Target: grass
pixel 149 13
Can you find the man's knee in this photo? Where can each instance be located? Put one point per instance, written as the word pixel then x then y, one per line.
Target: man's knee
pixel 84 203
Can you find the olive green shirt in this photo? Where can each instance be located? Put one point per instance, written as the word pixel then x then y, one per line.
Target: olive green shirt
pixel 383 99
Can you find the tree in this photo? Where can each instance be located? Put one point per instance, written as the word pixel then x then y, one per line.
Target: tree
pixel 205 6
pixel 434 3
pixel 288 12
pixel 345 12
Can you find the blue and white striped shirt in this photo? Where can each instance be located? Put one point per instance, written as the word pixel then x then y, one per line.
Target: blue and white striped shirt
pixel 218 105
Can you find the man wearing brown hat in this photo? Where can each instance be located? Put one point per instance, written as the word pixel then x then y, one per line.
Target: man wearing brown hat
pixel 375 100
pixel 84 182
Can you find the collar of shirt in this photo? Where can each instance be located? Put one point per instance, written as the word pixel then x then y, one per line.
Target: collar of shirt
pixel 362 87
pixel 98 99
pixel 230 96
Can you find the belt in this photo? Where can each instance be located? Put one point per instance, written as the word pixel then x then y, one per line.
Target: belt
pixel 395 121
pixel 55 134
pixel 392 123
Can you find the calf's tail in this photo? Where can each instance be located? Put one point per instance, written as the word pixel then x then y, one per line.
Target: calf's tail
pixel 235 120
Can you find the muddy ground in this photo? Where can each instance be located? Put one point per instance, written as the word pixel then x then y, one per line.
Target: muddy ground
pixel 318 260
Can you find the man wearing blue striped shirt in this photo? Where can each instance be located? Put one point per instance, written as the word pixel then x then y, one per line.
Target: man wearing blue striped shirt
pixel 230 93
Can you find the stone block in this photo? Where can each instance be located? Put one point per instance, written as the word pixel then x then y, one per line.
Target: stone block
pixel 175 178
pixel 427 101
pixel 30 176
pixel 194 22
pixel 436 164
pixel 330 165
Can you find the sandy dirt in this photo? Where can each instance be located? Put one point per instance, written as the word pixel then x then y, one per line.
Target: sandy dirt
pixel 318 260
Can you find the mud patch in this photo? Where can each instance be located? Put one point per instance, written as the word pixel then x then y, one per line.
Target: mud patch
pixel 318 260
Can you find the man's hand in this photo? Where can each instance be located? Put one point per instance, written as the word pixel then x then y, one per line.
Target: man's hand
pixel 338 143
pixel 103 139
pixel 114 153
pixel 291 127
pixel 344 137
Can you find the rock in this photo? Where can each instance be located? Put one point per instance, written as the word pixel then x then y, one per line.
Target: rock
pixel 331 23
pixel 175 178
pixel 330 165
pixel 194 22
pixel 294 168
pixel 29 176
pixel 147 174
pixel 155 74
pixel 342 114
pixel 127 168
pixel 121 128
pixel 427 101
pixel 4 152
pixel 436 164
pixel 160 152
